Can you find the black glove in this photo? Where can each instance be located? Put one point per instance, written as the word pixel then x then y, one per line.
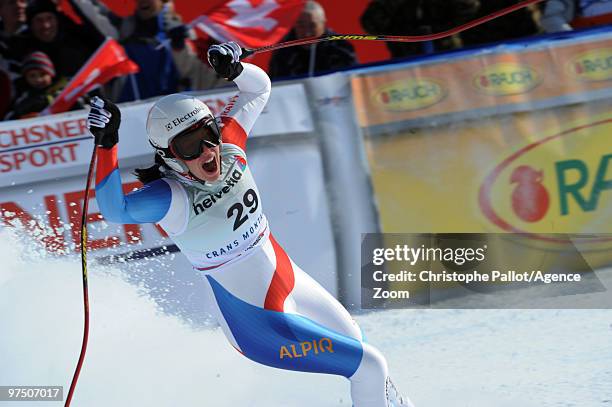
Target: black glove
pixel 103 122
pixel 225 59
pixel 175 29
pixel 177 36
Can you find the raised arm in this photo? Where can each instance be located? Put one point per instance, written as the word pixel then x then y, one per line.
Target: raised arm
pixel 150 204
pixel 254 87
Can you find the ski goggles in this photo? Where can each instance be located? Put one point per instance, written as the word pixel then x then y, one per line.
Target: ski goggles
pixel 189 144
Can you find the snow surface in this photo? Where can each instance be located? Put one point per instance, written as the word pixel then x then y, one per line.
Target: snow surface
pixel 140 356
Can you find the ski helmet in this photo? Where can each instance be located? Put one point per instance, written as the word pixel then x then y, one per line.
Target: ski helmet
pixel 170 116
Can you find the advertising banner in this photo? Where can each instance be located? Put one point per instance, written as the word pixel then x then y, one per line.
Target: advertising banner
pixel 529 171
pixel 498 81
pixel 60 145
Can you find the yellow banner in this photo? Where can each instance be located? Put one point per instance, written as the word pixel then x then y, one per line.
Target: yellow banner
pixel 483 81
pixel 544 172
pixel 535 172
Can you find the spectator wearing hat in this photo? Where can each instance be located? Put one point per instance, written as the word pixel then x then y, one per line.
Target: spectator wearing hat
pixel 67 44
pixel 38 86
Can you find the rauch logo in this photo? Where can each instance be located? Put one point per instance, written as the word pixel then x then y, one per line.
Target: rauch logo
pixel 595 65
pixel 506 78
pixel 409 94
pixel 555 185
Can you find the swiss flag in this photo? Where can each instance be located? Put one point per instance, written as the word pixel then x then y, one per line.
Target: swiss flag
pixel 250 23
pixel 108 62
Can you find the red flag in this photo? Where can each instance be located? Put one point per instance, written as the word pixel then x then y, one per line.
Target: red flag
pixel 108 62
pixel 66 8
pixel 250 23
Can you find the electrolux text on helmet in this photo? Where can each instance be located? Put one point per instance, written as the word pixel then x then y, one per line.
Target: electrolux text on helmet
pixel 180 120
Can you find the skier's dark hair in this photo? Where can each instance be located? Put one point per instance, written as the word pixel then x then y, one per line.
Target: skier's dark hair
pixel 152 173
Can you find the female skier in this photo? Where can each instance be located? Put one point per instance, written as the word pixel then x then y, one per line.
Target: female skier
pixel 202 193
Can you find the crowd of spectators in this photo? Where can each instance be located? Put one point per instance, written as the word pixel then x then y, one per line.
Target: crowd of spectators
pixel 422 17
pixel 154 37
pixel 165 67
pixel 41 48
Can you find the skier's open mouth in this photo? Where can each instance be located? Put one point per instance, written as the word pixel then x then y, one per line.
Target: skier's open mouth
pixel 211 166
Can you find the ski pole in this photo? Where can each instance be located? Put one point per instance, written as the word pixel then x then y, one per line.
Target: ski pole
pixel 79 365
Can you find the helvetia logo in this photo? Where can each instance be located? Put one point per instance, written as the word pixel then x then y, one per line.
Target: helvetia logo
pixel 554 185
pixel 506 78
pixel 594 65
pixel 409 94
pixel 213 198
